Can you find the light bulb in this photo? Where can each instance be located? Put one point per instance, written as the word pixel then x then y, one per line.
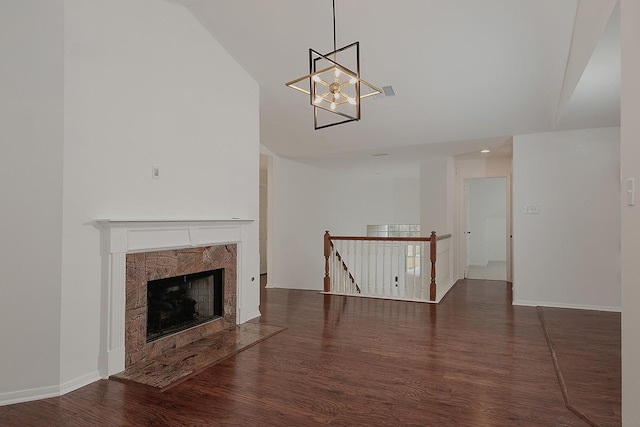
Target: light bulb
pixel 333 105
pixel 337 72
pixel 351 101
pixel 336 96
pixel 318 99
pixel 353 80
pixel 316 78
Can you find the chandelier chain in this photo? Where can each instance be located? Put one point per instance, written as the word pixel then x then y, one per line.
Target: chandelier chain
pixel 334 26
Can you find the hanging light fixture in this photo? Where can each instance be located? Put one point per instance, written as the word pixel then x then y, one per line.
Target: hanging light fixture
pixel 335 88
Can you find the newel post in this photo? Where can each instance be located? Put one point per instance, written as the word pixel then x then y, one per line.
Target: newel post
pixel 433 251
pixel 327 253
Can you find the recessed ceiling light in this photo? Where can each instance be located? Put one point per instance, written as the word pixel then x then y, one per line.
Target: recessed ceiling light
pixel 380 154
pixel 485 151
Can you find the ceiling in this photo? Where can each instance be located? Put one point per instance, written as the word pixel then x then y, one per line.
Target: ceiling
pixel 467 74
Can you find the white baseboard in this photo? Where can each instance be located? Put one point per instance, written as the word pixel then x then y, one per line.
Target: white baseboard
pixel 444 290
pixel 79 382
pixel 29 395
pixel 22 396
pixel 276 286
pixel 566 305
pixel 252 316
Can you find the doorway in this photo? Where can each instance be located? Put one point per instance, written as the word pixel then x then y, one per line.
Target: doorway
pixel 486 228
pixel 264 201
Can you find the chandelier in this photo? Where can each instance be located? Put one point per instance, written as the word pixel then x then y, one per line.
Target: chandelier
pixel 335 86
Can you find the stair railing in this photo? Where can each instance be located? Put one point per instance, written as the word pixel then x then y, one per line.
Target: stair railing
pixel 384 267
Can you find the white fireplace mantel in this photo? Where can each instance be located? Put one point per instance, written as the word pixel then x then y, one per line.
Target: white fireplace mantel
pixel 120 237
pixel 132 236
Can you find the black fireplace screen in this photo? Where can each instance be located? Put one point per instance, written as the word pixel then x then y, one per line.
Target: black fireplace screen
pixel 178 303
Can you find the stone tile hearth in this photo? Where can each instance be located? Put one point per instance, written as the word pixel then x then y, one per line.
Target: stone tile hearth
pixel 171 368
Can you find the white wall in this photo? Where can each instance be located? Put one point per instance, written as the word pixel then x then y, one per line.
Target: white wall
pixel 569 254
pixel 307 200
pixel 141 88
pixel 298 223
pixel 437 212
pixel 437 195
pixel 630 156
pixel 31 131
pixel 358 201
pixel 406 201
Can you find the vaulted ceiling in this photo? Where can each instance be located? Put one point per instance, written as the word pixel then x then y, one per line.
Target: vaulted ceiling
pixel 468 74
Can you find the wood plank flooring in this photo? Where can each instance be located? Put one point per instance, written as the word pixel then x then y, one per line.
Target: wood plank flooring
pixel 473 360
pixel 591 369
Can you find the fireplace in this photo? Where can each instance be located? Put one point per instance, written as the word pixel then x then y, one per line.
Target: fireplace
pixel 138 251
pixel 171 282
pixel 178 303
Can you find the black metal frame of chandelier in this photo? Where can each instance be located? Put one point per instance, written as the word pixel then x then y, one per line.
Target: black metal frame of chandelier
pixel 312 70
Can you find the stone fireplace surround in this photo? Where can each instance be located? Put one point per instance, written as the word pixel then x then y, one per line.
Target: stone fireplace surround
pixel 145 266
pixel 122 238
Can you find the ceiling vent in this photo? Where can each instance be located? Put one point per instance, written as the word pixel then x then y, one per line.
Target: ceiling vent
pixel 386 91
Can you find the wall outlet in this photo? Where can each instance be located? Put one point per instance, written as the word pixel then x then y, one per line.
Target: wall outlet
pixel 155 172
pixel 532 209
pixel 630 191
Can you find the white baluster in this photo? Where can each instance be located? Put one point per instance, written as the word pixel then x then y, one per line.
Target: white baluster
pixel 399 278
pixel 392 249
pixel 337 267
pixel 375 291
pixel 415 248
pixel 368 267
pixel 362 265
pixel 342 266
pixel 423 270
pixel 383 255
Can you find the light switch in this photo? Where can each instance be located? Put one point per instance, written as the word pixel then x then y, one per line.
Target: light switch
pixel 631 192
pixel 155 172
pixel 532 209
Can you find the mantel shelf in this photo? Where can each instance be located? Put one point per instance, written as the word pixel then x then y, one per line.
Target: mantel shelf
pixel 111 222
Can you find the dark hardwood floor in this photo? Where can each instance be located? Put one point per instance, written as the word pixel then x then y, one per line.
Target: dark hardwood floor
pixel 473 360
pixel 591 366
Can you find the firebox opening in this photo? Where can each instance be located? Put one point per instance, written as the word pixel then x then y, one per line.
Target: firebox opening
pixel 182 302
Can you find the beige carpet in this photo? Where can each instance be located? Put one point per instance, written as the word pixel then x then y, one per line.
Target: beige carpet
pixel 494 270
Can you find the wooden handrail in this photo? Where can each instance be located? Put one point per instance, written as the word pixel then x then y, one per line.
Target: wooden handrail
pixel 400 239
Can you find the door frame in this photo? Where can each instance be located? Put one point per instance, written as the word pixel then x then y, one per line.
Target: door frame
pixel 465 213
pixel 269 223
pixel 462 220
